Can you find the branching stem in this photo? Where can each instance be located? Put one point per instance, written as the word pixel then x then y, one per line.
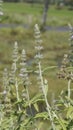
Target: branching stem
pixel 46 101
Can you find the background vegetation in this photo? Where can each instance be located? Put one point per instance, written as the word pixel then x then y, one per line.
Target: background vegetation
pixel 28 14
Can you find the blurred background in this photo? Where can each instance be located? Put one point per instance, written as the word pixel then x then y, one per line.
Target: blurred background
pixel 17 20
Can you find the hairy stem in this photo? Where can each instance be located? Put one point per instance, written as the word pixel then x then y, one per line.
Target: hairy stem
pixel 69 83
pixel 17 93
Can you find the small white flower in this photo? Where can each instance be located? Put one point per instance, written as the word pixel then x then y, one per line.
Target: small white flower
pixel 45 81
pixel 1 13
pixel 4 92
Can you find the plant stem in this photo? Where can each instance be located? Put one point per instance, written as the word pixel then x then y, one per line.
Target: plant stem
pixel 46 101
pixel 28 98
pixel 17 93
pixel 27 94
pixel 69 93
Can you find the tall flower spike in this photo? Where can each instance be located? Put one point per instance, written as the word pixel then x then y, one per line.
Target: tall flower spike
pixel 23 70
pixel 63 69
pixel 38 41
pixel 5 79
pixel 43 85
pixel 24 75
pixel 12 74
pixel 1 8
pixel 15 52
pixel 65 74
pixel 71 45
pixel 6 92
pixel 14 64
pixel 38 56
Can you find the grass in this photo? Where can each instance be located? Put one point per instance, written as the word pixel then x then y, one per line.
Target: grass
pixel 24 8
pixel 55 44
pixel 28 14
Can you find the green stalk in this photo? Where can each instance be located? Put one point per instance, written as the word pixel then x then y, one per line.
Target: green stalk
pixel 69 91
pixel 17 94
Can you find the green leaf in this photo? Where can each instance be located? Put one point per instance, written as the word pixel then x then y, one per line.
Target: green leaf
pixel 70 112
pixel 43 115
pixel 36 107
pixel 35 99
pixel 62 123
